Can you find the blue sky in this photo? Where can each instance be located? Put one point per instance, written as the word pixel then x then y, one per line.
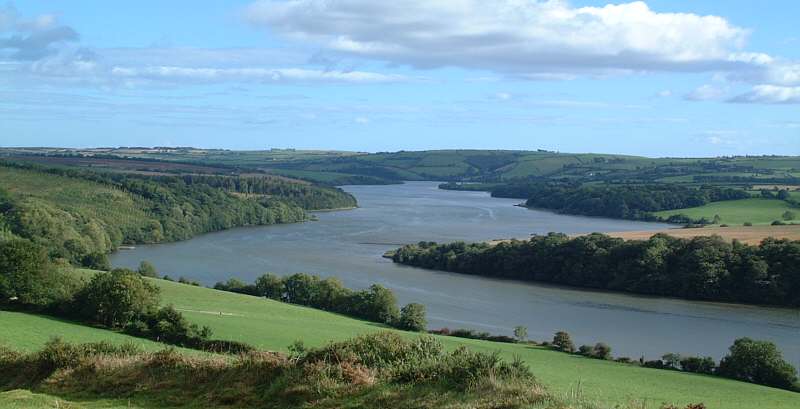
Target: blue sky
pixel 656 78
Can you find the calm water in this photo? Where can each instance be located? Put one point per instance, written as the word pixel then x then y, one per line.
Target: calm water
pixel 349 245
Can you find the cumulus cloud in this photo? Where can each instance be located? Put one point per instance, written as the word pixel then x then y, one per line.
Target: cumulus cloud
pixel 769 94
pixel 509 36
pixel 31 39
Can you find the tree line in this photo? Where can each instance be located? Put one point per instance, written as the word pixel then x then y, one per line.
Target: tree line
pixel 700 268
pixel 376 304
pixel 619 201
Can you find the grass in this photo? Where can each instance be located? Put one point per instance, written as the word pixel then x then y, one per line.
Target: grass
pixel 273 325
pixel 738 212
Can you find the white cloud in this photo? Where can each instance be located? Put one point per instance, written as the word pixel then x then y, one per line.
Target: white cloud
pixel 172 73
pixel 509 36
pixel 705 92
pixel 770 94
pixel 361 120
pixel 664 93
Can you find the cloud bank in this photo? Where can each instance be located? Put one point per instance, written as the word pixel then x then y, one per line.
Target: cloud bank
pixel 511 36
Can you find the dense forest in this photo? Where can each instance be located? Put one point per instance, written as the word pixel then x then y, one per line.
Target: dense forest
pixel 80 215
pixel 618 201
pixel 702 268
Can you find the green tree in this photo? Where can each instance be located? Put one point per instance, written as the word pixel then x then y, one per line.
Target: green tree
pixel 789 215
pixel 117 298
pixel 147 269
pixel 412 317
pixel 601 351
pixel 521 333
pixel 671 360
pixel 758 362
pixel 269 285
pixel 26 276
pixel 563 342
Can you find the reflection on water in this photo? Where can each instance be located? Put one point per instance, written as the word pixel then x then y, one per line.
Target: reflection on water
pixel 349 245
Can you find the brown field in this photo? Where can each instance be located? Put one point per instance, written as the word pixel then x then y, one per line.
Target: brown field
pixel 749 235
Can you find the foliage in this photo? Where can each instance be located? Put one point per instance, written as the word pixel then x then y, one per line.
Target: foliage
pixel 758 362
pixel 563 342
pixel 377 303
pixel 706 268
pixel 117 298
pixel 27 278
pixel 412 317
pixel 147 269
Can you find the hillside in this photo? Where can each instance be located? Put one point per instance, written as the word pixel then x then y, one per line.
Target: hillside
pixel 274 325
pixel 337 168
pixel 81 215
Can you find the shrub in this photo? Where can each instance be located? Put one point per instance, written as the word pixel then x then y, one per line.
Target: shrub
pixel 563 342
pixel 748 224
pixel 585 350
pixel 226 347
pixel 758 362
pixel 96 261
pixel 168 325
pixel 696 364
pixel 147 269
pixel 117 298
pixel 412 317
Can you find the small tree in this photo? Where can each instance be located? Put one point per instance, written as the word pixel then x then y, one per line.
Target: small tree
pixel 585 350
pixel 147 269
pixel 521 333
pixel 412 317
pixel 789 215
pixel 671 360
pixel 563 342
pixel 717 219
pixel 758 362
pixel 115 299
pixel 601 350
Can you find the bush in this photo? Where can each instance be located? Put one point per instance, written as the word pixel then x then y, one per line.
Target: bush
pixel 748 224
pixel 96 261
pixel 147 269
pixel 168 325
pixel 117 298
pixel 412 318
pixel 758 362
pixel 696 364
pixel 226 347
pixel 563 342
pixel 585 350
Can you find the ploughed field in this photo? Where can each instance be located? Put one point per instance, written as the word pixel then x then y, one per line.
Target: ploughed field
pixel 274 325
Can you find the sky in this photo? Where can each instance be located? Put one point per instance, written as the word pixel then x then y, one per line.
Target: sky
pixel 655 78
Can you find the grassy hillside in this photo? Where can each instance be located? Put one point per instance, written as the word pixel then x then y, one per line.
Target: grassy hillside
pixel 737 212
pixel 274 325
pixel 29 332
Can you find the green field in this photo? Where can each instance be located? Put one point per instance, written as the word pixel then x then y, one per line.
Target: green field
pixel 274 325
pixel 737 212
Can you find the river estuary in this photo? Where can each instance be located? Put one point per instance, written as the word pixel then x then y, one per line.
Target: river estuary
pixel 349 245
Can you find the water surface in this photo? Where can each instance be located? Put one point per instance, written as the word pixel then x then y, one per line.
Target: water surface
pixel 349 245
